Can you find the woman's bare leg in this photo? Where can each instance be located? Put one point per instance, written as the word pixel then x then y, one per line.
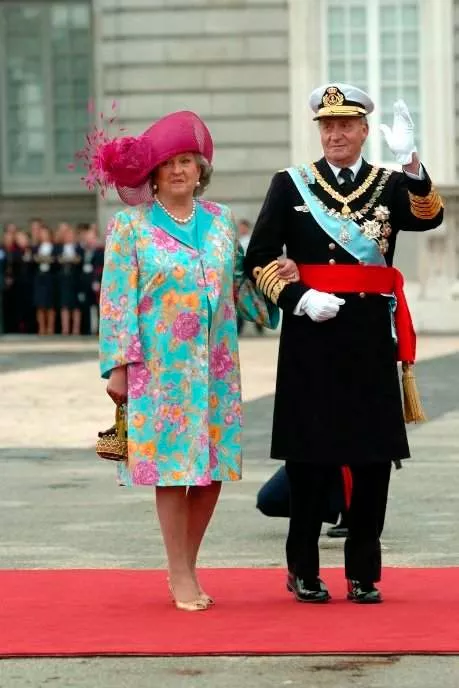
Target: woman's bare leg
pixel 51 319
pixel 41 319
pixel 171 505
pixel 201 502
pixel 65 321
pixel 76 322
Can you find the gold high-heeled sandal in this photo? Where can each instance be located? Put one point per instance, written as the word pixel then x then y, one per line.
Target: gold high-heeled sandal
pixel 204 596
pixel 200 604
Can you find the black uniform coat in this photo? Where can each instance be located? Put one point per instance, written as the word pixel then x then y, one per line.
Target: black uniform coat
pixel 337 397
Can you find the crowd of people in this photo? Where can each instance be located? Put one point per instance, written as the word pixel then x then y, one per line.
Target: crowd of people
pixel 50 279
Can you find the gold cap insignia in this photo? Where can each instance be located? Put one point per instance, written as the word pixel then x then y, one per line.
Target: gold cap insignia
pixel 332 97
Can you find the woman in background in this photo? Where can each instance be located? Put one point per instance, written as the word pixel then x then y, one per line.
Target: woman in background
pixel 44 254
pixel 69 256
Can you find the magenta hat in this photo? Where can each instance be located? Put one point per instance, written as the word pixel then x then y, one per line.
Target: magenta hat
pixel 127 162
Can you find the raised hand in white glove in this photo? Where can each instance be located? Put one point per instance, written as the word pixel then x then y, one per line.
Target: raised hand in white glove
pixel 400 138
pixel 318 305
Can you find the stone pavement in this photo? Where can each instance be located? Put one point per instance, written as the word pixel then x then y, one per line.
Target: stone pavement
pixel 60 507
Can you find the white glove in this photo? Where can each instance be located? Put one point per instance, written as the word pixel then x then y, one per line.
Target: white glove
pixel 318 305
pixel 400 138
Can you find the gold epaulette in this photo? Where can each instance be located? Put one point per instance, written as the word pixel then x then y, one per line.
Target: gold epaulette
pixel 268 281
pixel 426 207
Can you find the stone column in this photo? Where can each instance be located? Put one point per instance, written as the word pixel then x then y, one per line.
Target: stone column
pixel 306 73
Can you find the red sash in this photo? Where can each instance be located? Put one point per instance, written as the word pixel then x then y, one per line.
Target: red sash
pixel 371 279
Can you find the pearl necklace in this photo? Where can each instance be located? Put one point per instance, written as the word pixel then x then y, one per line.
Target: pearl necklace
pixel 179 220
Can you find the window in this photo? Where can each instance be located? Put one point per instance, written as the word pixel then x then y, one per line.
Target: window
pixel 45 76
pixel 456 83
pixel 375 46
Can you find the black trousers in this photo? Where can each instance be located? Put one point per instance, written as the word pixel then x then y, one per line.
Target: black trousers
pixel 362 549
pixel 273 498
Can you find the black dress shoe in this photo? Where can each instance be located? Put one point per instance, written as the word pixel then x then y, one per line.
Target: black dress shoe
pixel 363 593
pixel 338 531
pixel 341 529
pixel 314 591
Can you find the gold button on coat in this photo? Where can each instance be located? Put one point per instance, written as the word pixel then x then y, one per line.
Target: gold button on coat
pixel 362 294
pixel 332 261
pixel 332 246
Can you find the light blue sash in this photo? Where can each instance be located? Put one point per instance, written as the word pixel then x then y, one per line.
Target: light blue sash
pixel 344 231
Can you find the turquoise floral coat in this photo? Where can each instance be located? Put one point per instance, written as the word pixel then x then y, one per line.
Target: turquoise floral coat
pixel 168 311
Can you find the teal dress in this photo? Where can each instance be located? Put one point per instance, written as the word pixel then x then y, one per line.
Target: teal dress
pixel 169 301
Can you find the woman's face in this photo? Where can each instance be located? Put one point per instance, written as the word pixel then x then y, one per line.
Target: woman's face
pixel 68 234
pixel 22 240
pixel 178 177
pixel 45 234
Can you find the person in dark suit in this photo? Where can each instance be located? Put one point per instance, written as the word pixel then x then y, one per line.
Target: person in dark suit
pixel 69 259
pixel 273 498
pixel 9 290
pixel 24 277
pixel 90 279
pixel 345 325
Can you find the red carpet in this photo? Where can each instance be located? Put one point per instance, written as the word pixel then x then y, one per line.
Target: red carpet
pixel 128 612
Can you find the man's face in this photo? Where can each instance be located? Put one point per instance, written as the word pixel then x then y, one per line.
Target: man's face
pixel 342 139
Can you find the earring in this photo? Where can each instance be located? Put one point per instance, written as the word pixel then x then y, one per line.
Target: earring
pixel 155 188
pixel 198 183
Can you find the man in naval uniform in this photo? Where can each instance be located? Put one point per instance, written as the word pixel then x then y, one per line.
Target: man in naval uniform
pixel 345 325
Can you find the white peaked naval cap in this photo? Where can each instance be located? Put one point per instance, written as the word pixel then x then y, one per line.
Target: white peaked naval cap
pixel 340 100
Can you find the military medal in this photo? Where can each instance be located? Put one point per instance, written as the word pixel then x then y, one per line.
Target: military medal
pixel 344 235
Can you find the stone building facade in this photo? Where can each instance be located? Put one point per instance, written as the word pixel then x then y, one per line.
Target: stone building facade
pixel 247 67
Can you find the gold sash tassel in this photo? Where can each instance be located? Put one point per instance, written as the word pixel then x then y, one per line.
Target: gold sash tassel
pixel 412 405
pixel 268 281
pixel 426 207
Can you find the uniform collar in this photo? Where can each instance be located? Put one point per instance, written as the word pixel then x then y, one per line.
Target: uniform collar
pixel 355 168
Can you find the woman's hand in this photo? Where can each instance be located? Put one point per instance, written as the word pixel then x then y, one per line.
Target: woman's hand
pixel 288 270
pixel 117 385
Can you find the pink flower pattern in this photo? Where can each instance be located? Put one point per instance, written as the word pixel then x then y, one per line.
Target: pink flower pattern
pixel 213 208
pixel 145 473
pixel 138 378
pixel 162 240
pixel 186 326
pixel 203 480
pixel 134 350
pixel 145 304
pixel 228 312
pixel 213 456
pixel 221 362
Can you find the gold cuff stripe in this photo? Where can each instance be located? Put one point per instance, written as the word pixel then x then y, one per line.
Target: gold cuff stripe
pixel 268 281
pixel 426 207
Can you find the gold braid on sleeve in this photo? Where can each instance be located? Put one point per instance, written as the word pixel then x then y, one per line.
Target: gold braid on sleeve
pixel 426 207
pixel 268 281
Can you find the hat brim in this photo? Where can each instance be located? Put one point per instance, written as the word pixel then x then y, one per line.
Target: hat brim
pixel 340 111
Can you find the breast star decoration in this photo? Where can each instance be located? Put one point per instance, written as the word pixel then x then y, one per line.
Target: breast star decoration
pixel 378 229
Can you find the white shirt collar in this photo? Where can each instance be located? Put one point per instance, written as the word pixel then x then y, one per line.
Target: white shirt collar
pixel 355 168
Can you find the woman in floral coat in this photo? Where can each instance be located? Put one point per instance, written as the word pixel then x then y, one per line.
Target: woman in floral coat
pixel 172 285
